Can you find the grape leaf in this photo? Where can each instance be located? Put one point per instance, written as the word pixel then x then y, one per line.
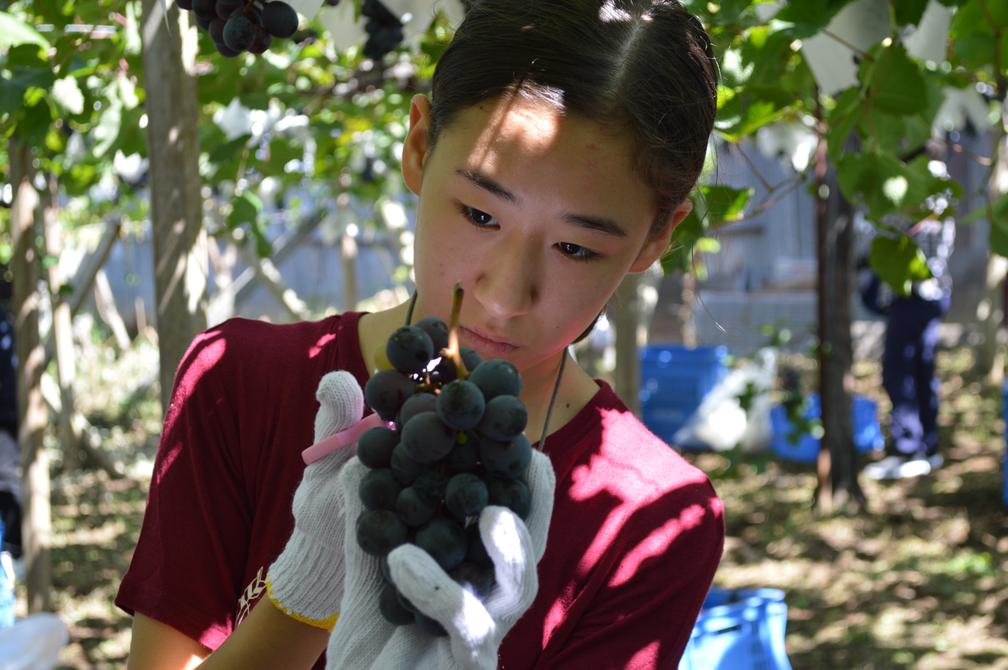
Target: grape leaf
pixel 895 83
pixel 898 262
pixel 13 32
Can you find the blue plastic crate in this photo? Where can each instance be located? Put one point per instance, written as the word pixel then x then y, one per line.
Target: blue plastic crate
pixel 674 381
pixel 867 432
pixel 739 629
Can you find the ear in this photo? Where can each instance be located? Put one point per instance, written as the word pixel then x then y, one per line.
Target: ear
pixel 415 148
pixel 656 245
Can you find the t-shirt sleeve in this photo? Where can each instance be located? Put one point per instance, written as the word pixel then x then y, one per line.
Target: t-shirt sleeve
pixel 186 570
pixel 661 568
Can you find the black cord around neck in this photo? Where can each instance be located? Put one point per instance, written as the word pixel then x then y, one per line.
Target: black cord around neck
pixel 552 402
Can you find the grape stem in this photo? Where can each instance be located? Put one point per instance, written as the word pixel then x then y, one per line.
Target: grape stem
pixel 452 351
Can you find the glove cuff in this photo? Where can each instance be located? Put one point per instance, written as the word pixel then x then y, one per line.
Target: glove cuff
pixel 306 581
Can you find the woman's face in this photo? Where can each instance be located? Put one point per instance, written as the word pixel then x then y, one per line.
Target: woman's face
pixel 538 215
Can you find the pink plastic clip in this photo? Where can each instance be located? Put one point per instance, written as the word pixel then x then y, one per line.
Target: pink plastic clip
pixel 343 438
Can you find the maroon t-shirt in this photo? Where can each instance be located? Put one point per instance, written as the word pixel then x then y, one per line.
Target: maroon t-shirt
pixel 635 538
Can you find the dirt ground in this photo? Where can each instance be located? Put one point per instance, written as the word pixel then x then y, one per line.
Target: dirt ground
pixel 916 581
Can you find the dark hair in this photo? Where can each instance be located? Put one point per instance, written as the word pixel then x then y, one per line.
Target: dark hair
pixel 642 64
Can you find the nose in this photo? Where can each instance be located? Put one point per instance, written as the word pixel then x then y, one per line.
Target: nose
pixel 507 279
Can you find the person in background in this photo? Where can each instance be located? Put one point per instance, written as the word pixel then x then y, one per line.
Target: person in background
pixel 908 360
pixel 10 454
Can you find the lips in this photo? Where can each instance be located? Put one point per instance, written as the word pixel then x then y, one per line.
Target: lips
pixel 486 343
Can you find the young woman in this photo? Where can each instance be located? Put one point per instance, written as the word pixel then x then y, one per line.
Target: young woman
pixel 554 156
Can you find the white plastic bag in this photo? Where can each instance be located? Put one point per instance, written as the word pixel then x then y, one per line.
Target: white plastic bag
pixel 33 643
pixel 720 423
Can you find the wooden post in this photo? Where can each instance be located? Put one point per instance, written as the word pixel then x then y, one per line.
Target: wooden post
pixel 624 315
pixel 179 239
pixel 36 528
pixel 837 466
pixel 61 335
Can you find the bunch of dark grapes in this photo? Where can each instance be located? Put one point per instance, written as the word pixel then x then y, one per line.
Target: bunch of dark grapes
pixel 457 445
pixel 383 28
pixel 242 25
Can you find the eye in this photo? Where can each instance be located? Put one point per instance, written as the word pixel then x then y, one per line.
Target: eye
pixel 576 252
pixel 477 217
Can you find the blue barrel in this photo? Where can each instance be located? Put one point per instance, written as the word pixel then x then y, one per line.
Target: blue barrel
pixel 867 432
pixel 739 629
pixel 674 381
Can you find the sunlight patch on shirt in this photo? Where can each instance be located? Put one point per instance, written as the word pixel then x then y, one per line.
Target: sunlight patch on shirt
pixel 656 543
pixel 317 348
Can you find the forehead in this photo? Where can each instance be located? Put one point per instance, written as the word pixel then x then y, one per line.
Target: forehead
pixel 540 126
pixel 536 140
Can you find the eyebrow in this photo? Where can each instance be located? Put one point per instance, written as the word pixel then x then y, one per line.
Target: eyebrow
pixel 598 223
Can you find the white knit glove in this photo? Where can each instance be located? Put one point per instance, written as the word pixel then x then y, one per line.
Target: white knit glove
pixel 306 580
pixel 363 639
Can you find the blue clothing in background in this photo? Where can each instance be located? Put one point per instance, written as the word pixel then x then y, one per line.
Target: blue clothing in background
pixel 8 363
pixel 908 362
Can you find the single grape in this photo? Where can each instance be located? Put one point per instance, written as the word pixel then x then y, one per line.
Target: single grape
pixel 405 469
pixel 261 43
pixel 511 493
pixel 409 349
pixel 504 418
pixel 445 371
pixel 203 22
pixel 432 485
pixel 225 8
pixel 386 391
pixel 378 489
pixel 374 449
pixel 414 508
pixel 426 438
pixel 444 540
pixel 239 33
pixel 391 607
pixel 470 359
pixel 416 403
pixel 436 329
pixel 464 456
pixel 216 30
pixel 496 377
pixel 225 50
pixel 279 19
pixel 460 404
pixel 508 460
pixel 204 9
pixel 466 496
pixel 379 531
pixel 477 579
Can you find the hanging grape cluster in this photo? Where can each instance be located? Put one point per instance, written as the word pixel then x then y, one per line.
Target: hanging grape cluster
pixel 383 28
pixel 242 25
pixel 457 445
